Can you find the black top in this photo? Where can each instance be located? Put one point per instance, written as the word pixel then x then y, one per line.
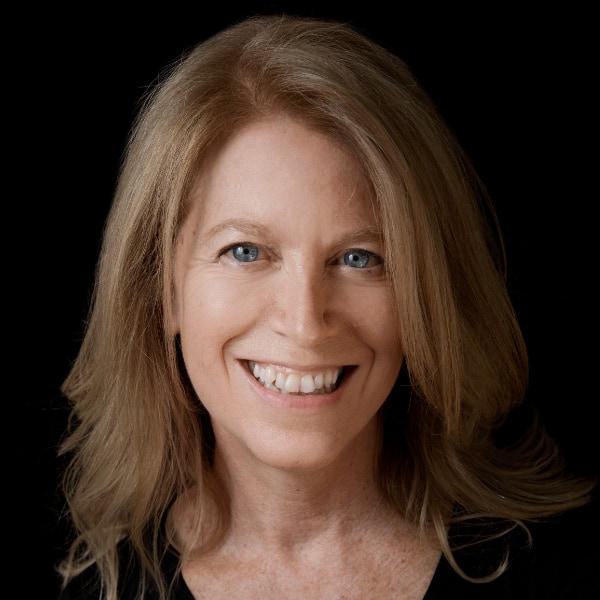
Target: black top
pixel 562 564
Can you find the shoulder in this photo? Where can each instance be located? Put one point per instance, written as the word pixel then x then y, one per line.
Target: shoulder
pixel 565 558
pixel 561 564
pixel 87 585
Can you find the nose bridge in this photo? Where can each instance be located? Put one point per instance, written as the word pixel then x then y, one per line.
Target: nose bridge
pixel 303 311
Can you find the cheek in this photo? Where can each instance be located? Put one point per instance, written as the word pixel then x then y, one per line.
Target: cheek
pixel 381 331
pixel 207 321
pixel 373 312
pixel 213 310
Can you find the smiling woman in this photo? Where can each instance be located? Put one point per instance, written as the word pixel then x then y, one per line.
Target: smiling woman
pixel 301 360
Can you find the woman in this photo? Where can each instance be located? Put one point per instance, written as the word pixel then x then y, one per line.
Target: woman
pixel 301 351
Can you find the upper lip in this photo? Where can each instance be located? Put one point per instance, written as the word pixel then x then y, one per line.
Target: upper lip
pixel 296 368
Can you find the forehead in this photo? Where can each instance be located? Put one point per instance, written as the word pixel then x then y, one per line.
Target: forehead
pixel 278 164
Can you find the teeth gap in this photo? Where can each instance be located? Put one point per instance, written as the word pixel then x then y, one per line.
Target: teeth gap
pixel 321 383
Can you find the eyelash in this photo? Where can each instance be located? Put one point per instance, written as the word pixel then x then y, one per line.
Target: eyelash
pixel 254 251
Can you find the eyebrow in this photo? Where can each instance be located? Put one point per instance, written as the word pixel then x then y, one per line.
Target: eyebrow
pixel 360 235
pixel 250 227
pixel 237 224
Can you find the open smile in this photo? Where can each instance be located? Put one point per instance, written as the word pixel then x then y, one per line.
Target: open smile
pixel 296 382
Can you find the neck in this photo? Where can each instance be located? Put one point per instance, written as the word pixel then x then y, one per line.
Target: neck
pixel 287 507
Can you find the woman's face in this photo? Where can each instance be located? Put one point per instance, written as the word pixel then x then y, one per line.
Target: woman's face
pixel 281 300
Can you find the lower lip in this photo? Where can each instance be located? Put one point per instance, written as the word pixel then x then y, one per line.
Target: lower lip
pixel 300 402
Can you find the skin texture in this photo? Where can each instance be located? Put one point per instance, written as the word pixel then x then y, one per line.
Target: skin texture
pixel 292 195
pixel 298 468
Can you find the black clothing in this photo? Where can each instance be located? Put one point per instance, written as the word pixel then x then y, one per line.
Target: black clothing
pixel 563 564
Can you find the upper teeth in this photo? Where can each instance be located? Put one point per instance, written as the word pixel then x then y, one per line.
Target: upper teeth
pixel 294 383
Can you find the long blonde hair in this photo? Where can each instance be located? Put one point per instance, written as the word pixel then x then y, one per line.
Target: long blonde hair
pixel 138 436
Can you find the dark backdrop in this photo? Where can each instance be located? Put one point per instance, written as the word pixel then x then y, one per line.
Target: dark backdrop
pixel 515 86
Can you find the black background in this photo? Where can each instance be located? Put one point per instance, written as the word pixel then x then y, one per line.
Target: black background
pixel 515 84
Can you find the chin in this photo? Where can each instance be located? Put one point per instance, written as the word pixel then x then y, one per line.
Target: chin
pixel 301 451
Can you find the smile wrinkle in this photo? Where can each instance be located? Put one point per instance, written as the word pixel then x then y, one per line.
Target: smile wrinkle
pixel 295 383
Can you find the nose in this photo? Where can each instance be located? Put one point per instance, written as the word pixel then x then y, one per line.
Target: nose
pixel 304 307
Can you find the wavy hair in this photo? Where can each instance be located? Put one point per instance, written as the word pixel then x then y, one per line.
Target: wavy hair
pixel 138 438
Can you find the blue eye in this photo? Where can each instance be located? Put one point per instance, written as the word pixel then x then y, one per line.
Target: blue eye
pixel 244 252
pixel 360 259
